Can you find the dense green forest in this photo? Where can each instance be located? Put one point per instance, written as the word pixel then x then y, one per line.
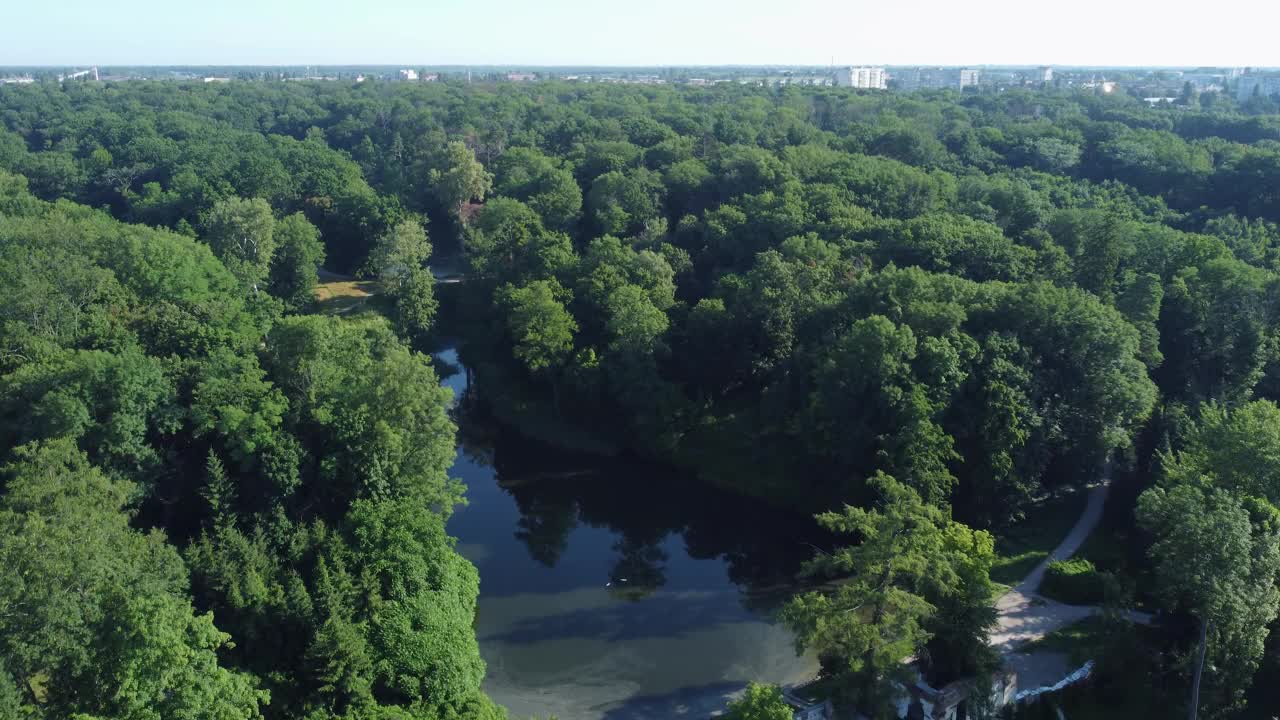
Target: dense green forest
pixel 916 315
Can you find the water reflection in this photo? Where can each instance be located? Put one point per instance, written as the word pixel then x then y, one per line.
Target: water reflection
pixel 618 589
pixel 642 506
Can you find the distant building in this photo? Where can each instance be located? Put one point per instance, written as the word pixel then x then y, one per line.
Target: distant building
pixel 909 79
pixel 1044 75
pixel 521 77
pixel 430 77
pixel 935 78
pixel 217 79
pixel 83 73
pixel 867 78
pixel 1264 85
pixel 409 75
pixel 16 80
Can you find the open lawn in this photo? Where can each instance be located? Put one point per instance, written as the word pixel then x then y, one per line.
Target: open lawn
pixel 1021 547
pixel 339 297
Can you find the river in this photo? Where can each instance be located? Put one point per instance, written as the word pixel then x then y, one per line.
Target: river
pixel 619 591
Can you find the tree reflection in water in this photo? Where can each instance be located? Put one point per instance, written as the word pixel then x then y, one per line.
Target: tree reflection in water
pixel 643 504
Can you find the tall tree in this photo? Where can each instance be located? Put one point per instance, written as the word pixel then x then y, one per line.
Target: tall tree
pixel 877 615
pixel 460 178
pixel 540 326
pixel 398 260
pixel 397 254
pixel 1216 558
pixel 242 235
pixel 298 255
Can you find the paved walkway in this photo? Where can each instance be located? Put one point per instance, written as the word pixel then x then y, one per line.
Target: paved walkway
pixel 1024 615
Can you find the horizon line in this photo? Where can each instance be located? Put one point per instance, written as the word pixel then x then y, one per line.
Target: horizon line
pixel 671 66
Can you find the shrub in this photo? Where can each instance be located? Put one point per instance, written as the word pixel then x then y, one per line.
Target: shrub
pixel 1075 582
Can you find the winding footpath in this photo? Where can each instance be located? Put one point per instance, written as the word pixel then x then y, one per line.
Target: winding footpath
pixel 1025 616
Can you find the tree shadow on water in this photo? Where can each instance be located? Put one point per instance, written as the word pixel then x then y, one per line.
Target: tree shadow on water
pixel 655 616
pixel 691 702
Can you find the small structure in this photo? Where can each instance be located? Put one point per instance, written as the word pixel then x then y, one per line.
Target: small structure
pixel 521 77
pixel 807 705
pixel 950 702
pixel 409 75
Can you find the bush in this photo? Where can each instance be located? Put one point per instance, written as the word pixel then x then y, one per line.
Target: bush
pixel 1075 582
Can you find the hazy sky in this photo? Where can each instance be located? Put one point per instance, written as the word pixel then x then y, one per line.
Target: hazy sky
pixel 639 32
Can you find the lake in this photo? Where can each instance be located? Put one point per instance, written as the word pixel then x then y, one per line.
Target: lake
pixel 619 590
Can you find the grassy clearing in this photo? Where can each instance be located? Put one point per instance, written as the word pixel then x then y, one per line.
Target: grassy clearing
pixel 339 297
pixel 1021 547
pixel 1079 641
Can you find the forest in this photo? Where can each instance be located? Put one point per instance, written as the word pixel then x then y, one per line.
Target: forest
pixel 913 316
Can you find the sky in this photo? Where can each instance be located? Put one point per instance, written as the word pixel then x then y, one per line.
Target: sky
pixel 639 32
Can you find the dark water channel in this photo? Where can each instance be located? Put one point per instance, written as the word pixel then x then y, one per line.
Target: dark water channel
pixel 618 590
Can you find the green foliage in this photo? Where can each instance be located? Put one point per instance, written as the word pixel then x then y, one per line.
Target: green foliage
pixel 460 179
pixel 538 321
pixel 287 470
pixel 1075 582
pixel 983 295
pixel 398 253
pixel 527 175
pixel 420 633
pixel 299 253
pixel 761 702
pixel 97 609
pixel 1237 449
pixel 372 412
pixel 911 558
pixel 1214 560
pixel 242 235
pixel 398 259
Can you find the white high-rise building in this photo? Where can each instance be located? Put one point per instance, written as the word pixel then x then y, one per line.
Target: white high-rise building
pixel 1044 75
pixel 968 78
pixel 868 78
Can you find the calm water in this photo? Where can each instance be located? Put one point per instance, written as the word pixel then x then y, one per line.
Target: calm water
pixel 619 590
